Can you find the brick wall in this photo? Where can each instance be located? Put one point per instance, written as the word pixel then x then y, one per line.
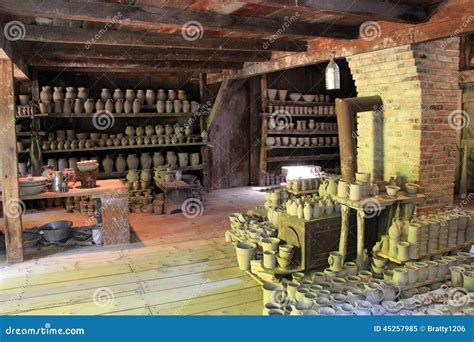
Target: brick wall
pixel 410 135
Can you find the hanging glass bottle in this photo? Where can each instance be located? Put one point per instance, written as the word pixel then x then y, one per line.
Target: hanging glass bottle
pixel 333 75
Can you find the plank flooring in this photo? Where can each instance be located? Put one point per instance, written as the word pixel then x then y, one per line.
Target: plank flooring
pixel 180 266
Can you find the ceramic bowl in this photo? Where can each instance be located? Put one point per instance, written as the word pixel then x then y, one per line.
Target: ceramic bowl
pixel 295 97
pixel 411 188
pixel 95 136
pixel 392 190
pixel 32 190
pixel 308 98
pixel 82 136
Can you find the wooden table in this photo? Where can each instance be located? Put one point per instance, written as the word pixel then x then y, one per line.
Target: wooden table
pixel 378 203
pixel 112 207
pixel 176 193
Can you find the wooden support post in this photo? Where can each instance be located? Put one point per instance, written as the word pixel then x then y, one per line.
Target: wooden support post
pixel 360 238
pixel 345 214
pixel 219 101
pixel 263 150
pixel 464 174
pixel 13 207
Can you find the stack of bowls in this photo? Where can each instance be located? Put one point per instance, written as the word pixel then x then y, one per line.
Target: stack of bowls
pixel 453 223
pixel 433 235
pixel 414 238
pixel 424 237
pixel 285 256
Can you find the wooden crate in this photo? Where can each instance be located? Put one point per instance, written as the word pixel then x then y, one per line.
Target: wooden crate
pixel 316 238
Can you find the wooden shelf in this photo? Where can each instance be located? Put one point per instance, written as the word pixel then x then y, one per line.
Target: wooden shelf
pixel 128 147
pixel 301 103
pixel 302 115
pixel 439 251
pixel 125 115
pixel 301 158
pixel 306 192
pixel 300 132
pixel 117 174
pixel 297 147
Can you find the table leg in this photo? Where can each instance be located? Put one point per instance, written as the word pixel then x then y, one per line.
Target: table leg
pixel 113 216
pixel 360 238
pixel 345 213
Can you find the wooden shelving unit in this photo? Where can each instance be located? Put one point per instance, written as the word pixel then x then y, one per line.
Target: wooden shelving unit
pixel 128 147
pixel 125 115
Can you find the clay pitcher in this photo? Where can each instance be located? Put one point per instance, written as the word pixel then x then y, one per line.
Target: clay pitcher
pixel 89 106
pixel 130 94
pixel 136 106
pixel 140 96
pixel 105 95
pixel 58 94
pixel 99 106
pixel 109 105
pixel 149 130
pixel 127 106
pixel 132 176
pixel 119 106
pixel 46 94
pixel 145 176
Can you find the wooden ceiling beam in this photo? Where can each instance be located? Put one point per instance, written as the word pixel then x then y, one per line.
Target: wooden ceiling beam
pixel 90 37
pixel 150 17
pixel 9 51
pixel 373 10
pixel 51 50
pixel 132 65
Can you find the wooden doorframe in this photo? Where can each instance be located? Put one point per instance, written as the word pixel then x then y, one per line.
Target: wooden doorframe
pixel 13 207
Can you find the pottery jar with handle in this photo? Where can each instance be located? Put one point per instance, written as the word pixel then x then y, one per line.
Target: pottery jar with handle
pixel 136 106
pixel 118 106
pixel 335 261
pixel 78 106
pixel 171 158
pixel 109 105
pixel 99 105
pixel 89 106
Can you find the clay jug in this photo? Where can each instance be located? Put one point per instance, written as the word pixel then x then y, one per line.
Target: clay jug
pixel 149 130
pixel 140 96
pixel 108 164
pixel 99 106
pixel 161 95
pixel 89 106
pixel 46 94
pixel 322 189
pixel 130 131
pixel 308 211
pixel 58 106
pixel 140 131
pixel 119 106
pixel 70 93
pixel 168 129
pixel 177 106
pixel 183 159
pixel 316 211
pixel 160 106
pixel 118 94
pixel 132 176
pixel 150 97
pixel 395 230
pixel 136 106
pixel 120 163
pixel 145 161
pixel 127 106
pixel 329 207
pixel 204 135
pixel 169 106
pixel 158 159
pixel 159 130
pixel 58 94
pixel 105 94
pixel 130 94
pixel 171 94
pixel 82 93
pixel 78 106
pixel 181 95
pixel 186 106
pixel 331 186
pixel 171 158
pixel 194 158
pixel 132 162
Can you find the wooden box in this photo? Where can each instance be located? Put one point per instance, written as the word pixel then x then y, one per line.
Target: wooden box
pixel 316 238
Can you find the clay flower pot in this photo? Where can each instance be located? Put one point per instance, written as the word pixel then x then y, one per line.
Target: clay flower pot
pixel 245 253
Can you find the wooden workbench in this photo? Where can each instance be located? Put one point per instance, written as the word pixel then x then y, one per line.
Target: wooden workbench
pixel 112 207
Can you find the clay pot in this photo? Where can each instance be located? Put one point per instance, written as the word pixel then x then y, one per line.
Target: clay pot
pixel 145 176
pixel 109 105
pixel 282 94
pixel 140 96
pixel 171 94
pixel 194 158
pixel 186 106
pixel 177 106
pixel 159 130
pixel 120 163
pixel 150 97
pixel 245 253
pixel 140 131
pixel 130 131
pixel 181 95
pixel 149 130
pixel 24 99
pixel 118 94
pixel 132 176
pixel 204 135
pixel 89 106
pixel 158 159
pixel 335 261
pixel 119 106
pixel 58 106
pixel 161 95
pixel 168 129
pixel 99 106
pixel 160 106
pixel 183 159
pixel 271 93
pixel 169 106
pixel 108 164
pixel 105 95
pixel 45 107
pixel 78 106
pixel 130 95
pixel 70 93
pixel 58 94
pixel 132 162
pixel 46 94
pixel 127 106
pixel 145 160
pixel 136 106
pixel 82 93
pixel 171 158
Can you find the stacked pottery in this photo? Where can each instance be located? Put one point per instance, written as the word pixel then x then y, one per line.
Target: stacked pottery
pixel 285 256
pixel 245 253
pixel 414 238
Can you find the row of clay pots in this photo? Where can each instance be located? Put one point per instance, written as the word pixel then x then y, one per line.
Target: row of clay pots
pixel 305 110
pixel 282 96
pixel 301 141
